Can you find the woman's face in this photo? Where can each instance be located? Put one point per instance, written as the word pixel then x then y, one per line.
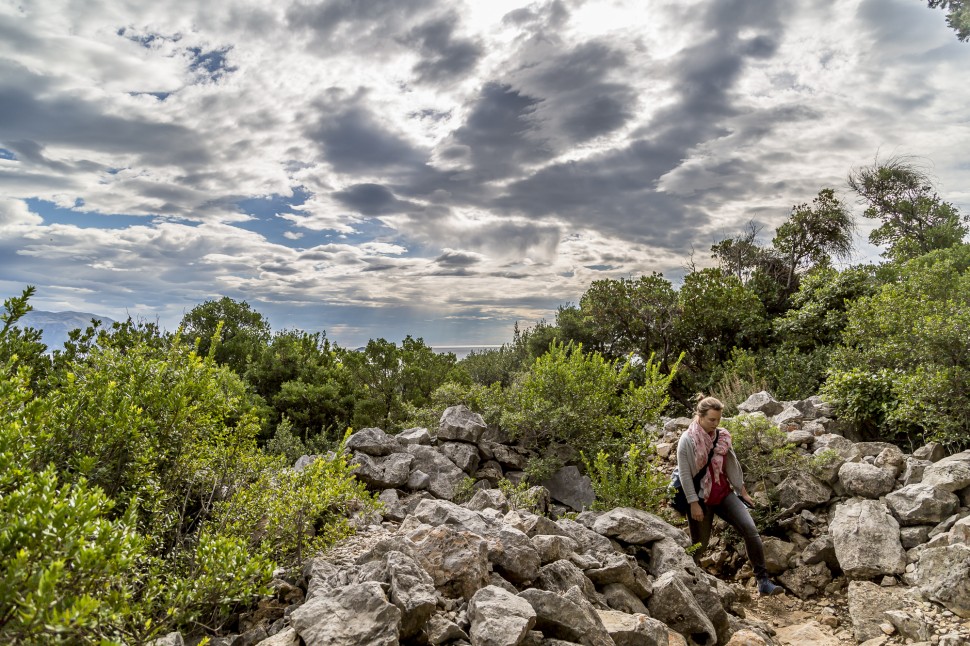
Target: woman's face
pixel 710 421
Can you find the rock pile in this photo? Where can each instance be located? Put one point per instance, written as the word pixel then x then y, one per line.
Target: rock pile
pixel 889 530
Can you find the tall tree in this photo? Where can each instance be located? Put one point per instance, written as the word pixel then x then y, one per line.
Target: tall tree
pixel 915 219
pixel 244 331
pixel 957 16
pixel 740 256
pixel 813 234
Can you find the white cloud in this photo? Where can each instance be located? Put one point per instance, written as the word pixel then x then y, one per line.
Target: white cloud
pixel 471 163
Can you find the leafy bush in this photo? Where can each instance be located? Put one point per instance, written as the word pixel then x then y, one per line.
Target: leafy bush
pixel 903 365
pixel 65 568
pixel 584 401
pixel 763 450
pixel 633 481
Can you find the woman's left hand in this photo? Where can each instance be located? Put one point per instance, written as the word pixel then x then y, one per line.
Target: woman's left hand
pixel 748 499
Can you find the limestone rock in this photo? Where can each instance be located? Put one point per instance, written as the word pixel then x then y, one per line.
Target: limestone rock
pixel 633 526
pixel 562 618
pixel 393 509
pixel 623 569
pixel 286 637
pixel 922 504
pixel 513 554
pixel 443 475
pixel 460 423
pixel 571 488
pixel 866 480
pixel 807 634
pixel 456 560
pixel 499 618
pixel 348 616
pixel 667 556
pixel 633 630
pixel 931 451
pixel 943 575
pixel 806 580
pixel 412 591
pixel 374 442
pixel 866 539
pixel 464 455
pixel 868 602
pixel 488 499
pixel 414 436
pixel 554 548
pixel 673 604
pixel 910 625
pixel 844 447
pixel 440 630
pixel 910 537
pixel 949 474
pixel 746 638
pixel 619 597
pixel 761 402
pixel 802 490
pixel 777 554
pixel 386 472
pixel 562 575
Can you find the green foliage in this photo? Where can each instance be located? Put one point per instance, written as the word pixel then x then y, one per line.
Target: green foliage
pixel 915 220
pixel 231 330
pixel 64 566
pixel 763 450
pixel 583 400
pixel 521 495
pixel 390 383
pixel 542 467
pixel 22 346
pixel 718 313
pixel 635 480
pixel 903 364
pixel 464 491
pixel 814 234
pixel 285 444
pixel 818 311
pixel 737 378
pixel 957 16
pixel 288 515
pixel 304 379
pixel 631 316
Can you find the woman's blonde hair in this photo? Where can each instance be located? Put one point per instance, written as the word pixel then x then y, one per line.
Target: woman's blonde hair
pixel 705 404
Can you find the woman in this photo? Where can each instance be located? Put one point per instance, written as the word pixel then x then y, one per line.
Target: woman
pixel 718 486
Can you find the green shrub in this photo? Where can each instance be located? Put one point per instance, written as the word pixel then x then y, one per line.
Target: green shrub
pixel 763 450
pixel 65 568
pixel 584 401
pixel 634 481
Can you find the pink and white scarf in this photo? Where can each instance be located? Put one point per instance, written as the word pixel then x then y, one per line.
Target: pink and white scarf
pixel 702 446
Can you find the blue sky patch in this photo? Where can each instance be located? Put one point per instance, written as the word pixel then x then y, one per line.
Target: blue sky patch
pixel 54 214
pixel 6 154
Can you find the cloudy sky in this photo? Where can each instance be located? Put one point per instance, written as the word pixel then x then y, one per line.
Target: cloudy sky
pixel 376 168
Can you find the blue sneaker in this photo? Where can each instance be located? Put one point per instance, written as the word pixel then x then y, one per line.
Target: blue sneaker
pixel 767 589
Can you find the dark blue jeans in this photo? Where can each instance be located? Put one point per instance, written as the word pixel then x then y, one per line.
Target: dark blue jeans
pixel 735 514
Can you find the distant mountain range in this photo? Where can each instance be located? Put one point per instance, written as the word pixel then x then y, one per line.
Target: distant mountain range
pixel 55 325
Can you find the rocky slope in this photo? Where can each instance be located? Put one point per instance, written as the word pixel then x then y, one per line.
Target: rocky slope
pixel 875 551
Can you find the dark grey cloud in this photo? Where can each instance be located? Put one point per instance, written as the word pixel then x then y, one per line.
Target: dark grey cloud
pixel 352 140
pixel 499 134
pixel 552 15
pixel 371 200
pixel 339 25
pixel 445 57
pixel 453 258
pixel 579 101
pixel 35 110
